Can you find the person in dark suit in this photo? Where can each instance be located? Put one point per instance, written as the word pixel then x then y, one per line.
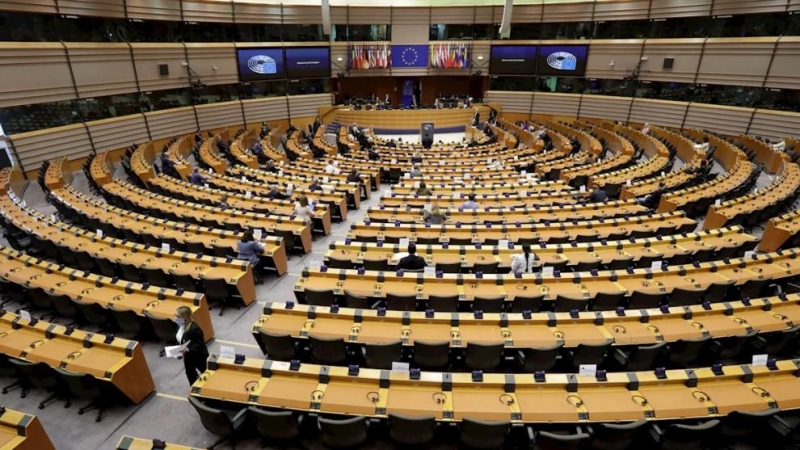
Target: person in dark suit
pixel 354 176
pixel 476 119
pixel 275 194
pixel 264 130
pixel 599 195
pixel 197 178
pixel 196 353
pixel 412 261
pixel 314 186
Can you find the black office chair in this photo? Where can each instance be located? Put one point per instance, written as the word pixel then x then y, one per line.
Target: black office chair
pixel 748 427
pixel 432 355
pixel 454 267
pixel 443 303
pixel 218 291
pixel 106 268
pixel 186 282
pixel 590 354
pixel 164 329
pixel 544 440
pixel 65 307
pixel 398 302
pixel 412 431
pixel 86 261
pixel 480 356
pixel 156 277
pixel 40 301
pixel 84 386
pixel 685 437
pixel 639 358
pixel 527 303
pixel 646 300
pixel 483 434
pixel 717 292
pixel 778 343
pixel 459 241
pixel 731 349
pixel 488 304
pixel 607 301
pixel 328 351
pixel 343 433
pixel 619 263
pixel 379 264
pixel 485 268
pixel 281 426
pixel 130 272
pixel 38 375
pixel 684 352
pixel 356 301
pixel 617 436
pixel 128 321
pixel 280 347
pixel 226 424
pixel 753 288
pixel 685 297
pixel 564 303
pixel 316 297
pixel 381 356
pixel 538 358
pixel 93 314
pixel 336 263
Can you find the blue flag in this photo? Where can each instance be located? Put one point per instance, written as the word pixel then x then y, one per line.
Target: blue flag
pixel 409 56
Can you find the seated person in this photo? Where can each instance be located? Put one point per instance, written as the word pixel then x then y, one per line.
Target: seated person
pixel 333 168
pixel 496 164
pixel 223 202
pixel 257 149
pixel 248 249
pixel 704 146
pixel 302 210
pixel 416 158
pixel 166 164
pixel 412 261
pixel 270 167
pixel 373 154
pixel 423 189
pixel 652 200
pixel 435 216
pixel 354 176
pixel 275 194
pixel 523 262
pixel 264 130
pixel 198 178
pixel 415 172
pixel 599 195
pixel 314 186
pixel 222 147
pixel 470 203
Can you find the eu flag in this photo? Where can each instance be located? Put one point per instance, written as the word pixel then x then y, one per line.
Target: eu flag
pixel 409 56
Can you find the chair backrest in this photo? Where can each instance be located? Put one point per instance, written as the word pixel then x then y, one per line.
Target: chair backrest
pixel 432 355
pixel 689 437
pixel 685 297
pixel 407 430
pixel 567 304
pixel 487 268
pixel 92 313
pixel 36 373
pixel 126 319
pixel 645 300
pixel 81 385
pixel 483 356
pixel 685 351
pixel 643 357
pixel 380 264
pixel 738 424
pixel 734 345
pixel 527 303
pixel 279 425
pixel 356 301
pixel 216 289
pixel 328 351
pixel 616 436
pixel 336 263
pixel 277 346
pixel 381 356
pixel 319 297
pixel 540 358
pixel 607 301
pixel 443 303
pixel 343 432
pixel 454 267
pixel 401 302
pixel 553 441
pixel 214 420
pixel 164 329
pixel 483 434
pixel 488 304
pixel 156 277
pixel 185 282
pixel 591 353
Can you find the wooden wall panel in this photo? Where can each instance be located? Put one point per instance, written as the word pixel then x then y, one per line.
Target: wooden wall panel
pixel 308 105
pixel 410 16
pixel 775 124
pixel 784 73
pixel 489 14
pixel 102 69
pixel 526 14
pixel 257 13
pixel 660 112
pixel 34 73
pixel 662 9
pixel 269 109
pixel 722 119
pixel 367 16
pixel 625 54
pixel 339 15
pixel 218 115
pixel 686 56
pixel 119 132
pixel 35 147
pixel 302 15
pixel 171 122
pixel 203 58
pixel 513 102
pixel 621 10
pixel 725 7
pixel 154 9
pixel 556 104
pixel 567 12
pixel 207 11
pixel 794 5
pixel 149 56
pixel 738 62
pixel 37 6
pixel 461 16
pixel 97 8
pixel 605 107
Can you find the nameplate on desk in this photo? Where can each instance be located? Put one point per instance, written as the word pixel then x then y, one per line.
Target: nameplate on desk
pixel 655 265
pixel 227 352
pixel 587 370
pixel 503 243
pixel 165 247
pixel 404 242
pixel 258 233
pixel 401 367
pixel 25 314
pixel 428 270
pixel 547 271
pixel 316 264
pixel 760 360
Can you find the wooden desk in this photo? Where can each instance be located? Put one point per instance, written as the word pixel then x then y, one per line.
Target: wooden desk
pixel 134 443
pixel 408 186
pixel 450 397
pixel 120 362
pixel 601 228
pixel 20 431
pixel 406 119
pixel 779 230
pixel 86 287
pixel 603 252
pixel 657 159
pixel 771 266
pixel 520 199
pixel 513 330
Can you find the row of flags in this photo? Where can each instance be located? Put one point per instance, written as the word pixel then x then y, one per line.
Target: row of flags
pixel 442 55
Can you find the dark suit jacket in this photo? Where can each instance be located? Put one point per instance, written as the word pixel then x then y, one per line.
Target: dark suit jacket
pixel 197 346
pixel 411 262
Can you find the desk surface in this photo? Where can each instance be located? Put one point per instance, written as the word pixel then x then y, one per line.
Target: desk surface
pixel 120 362
pixel 20 431
pixel 450 397
pixel 134 443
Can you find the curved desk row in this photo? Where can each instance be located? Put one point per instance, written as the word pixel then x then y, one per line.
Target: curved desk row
pixel 519 199
pixel 408 186
pixel 20 431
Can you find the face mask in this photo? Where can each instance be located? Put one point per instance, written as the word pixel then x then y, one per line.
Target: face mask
pixel 180 321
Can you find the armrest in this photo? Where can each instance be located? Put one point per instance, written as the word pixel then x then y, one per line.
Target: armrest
pixel 520 356
pixel 531 437
pixel 655 432
pixel 238 419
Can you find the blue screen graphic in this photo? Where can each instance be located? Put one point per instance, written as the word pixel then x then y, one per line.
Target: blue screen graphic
pixel 258 64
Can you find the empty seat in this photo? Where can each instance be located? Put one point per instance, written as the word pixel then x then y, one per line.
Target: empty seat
pixel 527 303
pixel 685 437
pixel 639 358
pixel 343 433
pixel 645 300
pixel 328 351
pixel 380 264
pixel 281 426
pixel 316 297
pixel 486 268
pixel 336 263
pixel 590 354
pixel 607 301
pixel 356 301
pixel 453 267
pixel 223 423
pixel 538 358
pixel 685 297
pixel 488 304
pixel 280 347
pixel 545 440
pixel 412 431
pixel 483 434
pixel 481 356
pixel 381 356
pixel 432 355
pixel 684 352
pixel 397 302
pixel 564 303
pixel 446 303
pixel 617 436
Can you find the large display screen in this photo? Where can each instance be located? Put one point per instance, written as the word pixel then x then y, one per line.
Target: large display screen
pixel 308 62
pixel 259 64
pixel 562 60
pixel 512 60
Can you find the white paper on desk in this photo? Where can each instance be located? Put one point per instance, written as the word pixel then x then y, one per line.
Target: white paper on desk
pixel 257 233
pixel 315 265
pixel 25 314
pixel 523 194
pixel 547 271
pixel 99 233
pixel 324 179
pixel 662 174
pixel 582 189
pixel 717 202
pixel 406 175
pixel 24 204
pixel 523 173
pixel 401 367
pixel 394 161
pixel 53 218
pixel 244 179
pixel 175 351
pixel 587 370
pixel 628 183
pixel 280 173
pixel 428 270
pixel 280 163
pixel 760 360
pixel 404 242
pixel 655 265
pixel 165 247
pixel 502 243
pixel 749 254
pixel 427 207
pixel 205 185
pixel 227 352
pixel 516 157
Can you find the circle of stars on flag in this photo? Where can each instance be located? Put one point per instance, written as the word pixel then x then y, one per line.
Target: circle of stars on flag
pixel 409 60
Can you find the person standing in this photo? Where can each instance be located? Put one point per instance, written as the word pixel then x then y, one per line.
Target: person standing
pixel 195 354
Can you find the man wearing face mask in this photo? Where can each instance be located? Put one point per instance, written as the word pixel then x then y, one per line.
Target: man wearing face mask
pixel 196 354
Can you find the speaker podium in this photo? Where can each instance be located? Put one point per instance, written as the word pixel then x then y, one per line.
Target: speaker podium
pixel 426 134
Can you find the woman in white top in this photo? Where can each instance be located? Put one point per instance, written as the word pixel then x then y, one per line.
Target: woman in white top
pixel 302 210
pixel 523 262
pixel 332 168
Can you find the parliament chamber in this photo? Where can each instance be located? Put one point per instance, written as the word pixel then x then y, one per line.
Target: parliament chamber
pixel 440 224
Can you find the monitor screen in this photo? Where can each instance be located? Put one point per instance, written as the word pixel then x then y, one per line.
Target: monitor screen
pixel 562 60
pixel 259 64
pixel 512 60
pixel 308 62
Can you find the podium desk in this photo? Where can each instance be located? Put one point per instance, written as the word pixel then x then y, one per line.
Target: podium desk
pixel 20 431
